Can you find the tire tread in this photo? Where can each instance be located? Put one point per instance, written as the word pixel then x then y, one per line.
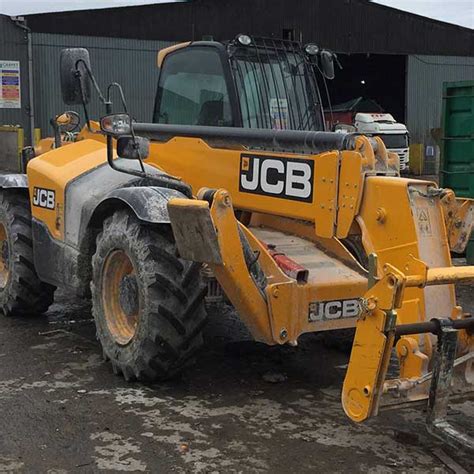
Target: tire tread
pixel 175 296
pixel 25 293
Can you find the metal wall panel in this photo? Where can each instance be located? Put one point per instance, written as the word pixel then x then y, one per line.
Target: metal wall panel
pixel 14 47
pixel 351 26
pixel 132 63
pixel 425 77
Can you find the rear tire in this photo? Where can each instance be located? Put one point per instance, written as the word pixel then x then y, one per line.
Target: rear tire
pixel 148 304
pixel 21 291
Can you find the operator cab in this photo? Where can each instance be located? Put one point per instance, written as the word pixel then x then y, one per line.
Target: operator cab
pixel 248 82
pixel 210 90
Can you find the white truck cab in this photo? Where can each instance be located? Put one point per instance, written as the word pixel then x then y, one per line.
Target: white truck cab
pixel 394 135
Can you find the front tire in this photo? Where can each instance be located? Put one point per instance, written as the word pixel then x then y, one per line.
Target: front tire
pixel 148 304
pixel 21 291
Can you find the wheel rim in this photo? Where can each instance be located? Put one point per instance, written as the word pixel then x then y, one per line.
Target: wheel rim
pixel 121 299
pixel 4 257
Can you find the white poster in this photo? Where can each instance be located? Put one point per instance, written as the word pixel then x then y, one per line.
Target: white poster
pixel 10 88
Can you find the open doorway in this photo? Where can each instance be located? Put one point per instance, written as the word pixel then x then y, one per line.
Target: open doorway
pixel 380 77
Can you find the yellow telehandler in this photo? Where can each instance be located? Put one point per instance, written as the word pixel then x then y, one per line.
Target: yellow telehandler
pixel 303 230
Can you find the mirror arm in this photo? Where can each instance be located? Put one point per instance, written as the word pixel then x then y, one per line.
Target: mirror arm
pixel 108 107
pixel 135 144
pixel 84 105
pixel 125 108
pixel 122 95
pixel 92 78
pixel 137 147
pixel 328 96
pixel 110 160
pixel 106 102
pixel 57 133
pixel 165 181
pixel 86 114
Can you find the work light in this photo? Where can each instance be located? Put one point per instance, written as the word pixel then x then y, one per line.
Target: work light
pixel 244 40
pixel 116 124
pixel 311 49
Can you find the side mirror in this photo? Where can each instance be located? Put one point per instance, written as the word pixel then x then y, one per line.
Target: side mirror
pixel 130 148
pixel 327 64
pixel 75 79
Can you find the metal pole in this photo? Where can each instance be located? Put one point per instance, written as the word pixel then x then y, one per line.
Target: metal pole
pixel 31 88
pixel 433 326
pixel 21 23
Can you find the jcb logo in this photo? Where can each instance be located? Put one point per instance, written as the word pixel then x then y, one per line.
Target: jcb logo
pixel 328 310
pixel 270 176
pixel 44 198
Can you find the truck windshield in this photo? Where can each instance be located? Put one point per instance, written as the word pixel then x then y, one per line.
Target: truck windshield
pixel 276 89
pixel 395 140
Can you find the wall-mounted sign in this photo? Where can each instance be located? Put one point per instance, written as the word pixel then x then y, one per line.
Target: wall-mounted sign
pixel 10 90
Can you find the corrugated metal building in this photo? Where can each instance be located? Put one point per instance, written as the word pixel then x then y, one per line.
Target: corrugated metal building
pixel 425 78
pixel 14 47
pixel 113 59
pixel 132 63
pixel 386 53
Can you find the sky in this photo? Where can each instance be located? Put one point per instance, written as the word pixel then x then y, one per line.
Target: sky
pixel 22 7
pixel 459 12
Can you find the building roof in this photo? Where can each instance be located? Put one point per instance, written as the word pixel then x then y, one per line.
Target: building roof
pixel 351 26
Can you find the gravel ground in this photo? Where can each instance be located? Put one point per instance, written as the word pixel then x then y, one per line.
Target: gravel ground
pixel 64 411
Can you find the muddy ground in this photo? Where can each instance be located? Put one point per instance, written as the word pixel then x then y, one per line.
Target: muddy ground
pixel 62 409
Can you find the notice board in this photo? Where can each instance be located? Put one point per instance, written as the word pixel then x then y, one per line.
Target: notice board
pixel 10 87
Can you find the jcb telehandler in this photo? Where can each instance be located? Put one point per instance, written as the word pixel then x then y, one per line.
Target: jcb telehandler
pixel 304 230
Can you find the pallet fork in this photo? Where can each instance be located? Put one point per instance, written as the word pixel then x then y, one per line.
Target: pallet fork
pixel 366 383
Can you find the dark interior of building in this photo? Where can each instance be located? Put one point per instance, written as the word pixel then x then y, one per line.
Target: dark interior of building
pixel 380 77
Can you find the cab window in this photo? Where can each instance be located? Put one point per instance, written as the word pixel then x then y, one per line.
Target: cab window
pixel 192 90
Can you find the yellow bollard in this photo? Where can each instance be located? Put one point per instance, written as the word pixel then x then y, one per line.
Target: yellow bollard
pixel 417 158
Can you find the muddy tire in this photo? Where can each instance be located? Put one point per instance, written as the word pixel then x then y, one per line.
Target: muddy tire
pixel 148 304
pixel 21 291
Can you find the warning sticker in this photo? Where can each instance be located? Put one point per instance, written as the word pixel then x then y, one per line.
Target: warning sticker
pixel 424 221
